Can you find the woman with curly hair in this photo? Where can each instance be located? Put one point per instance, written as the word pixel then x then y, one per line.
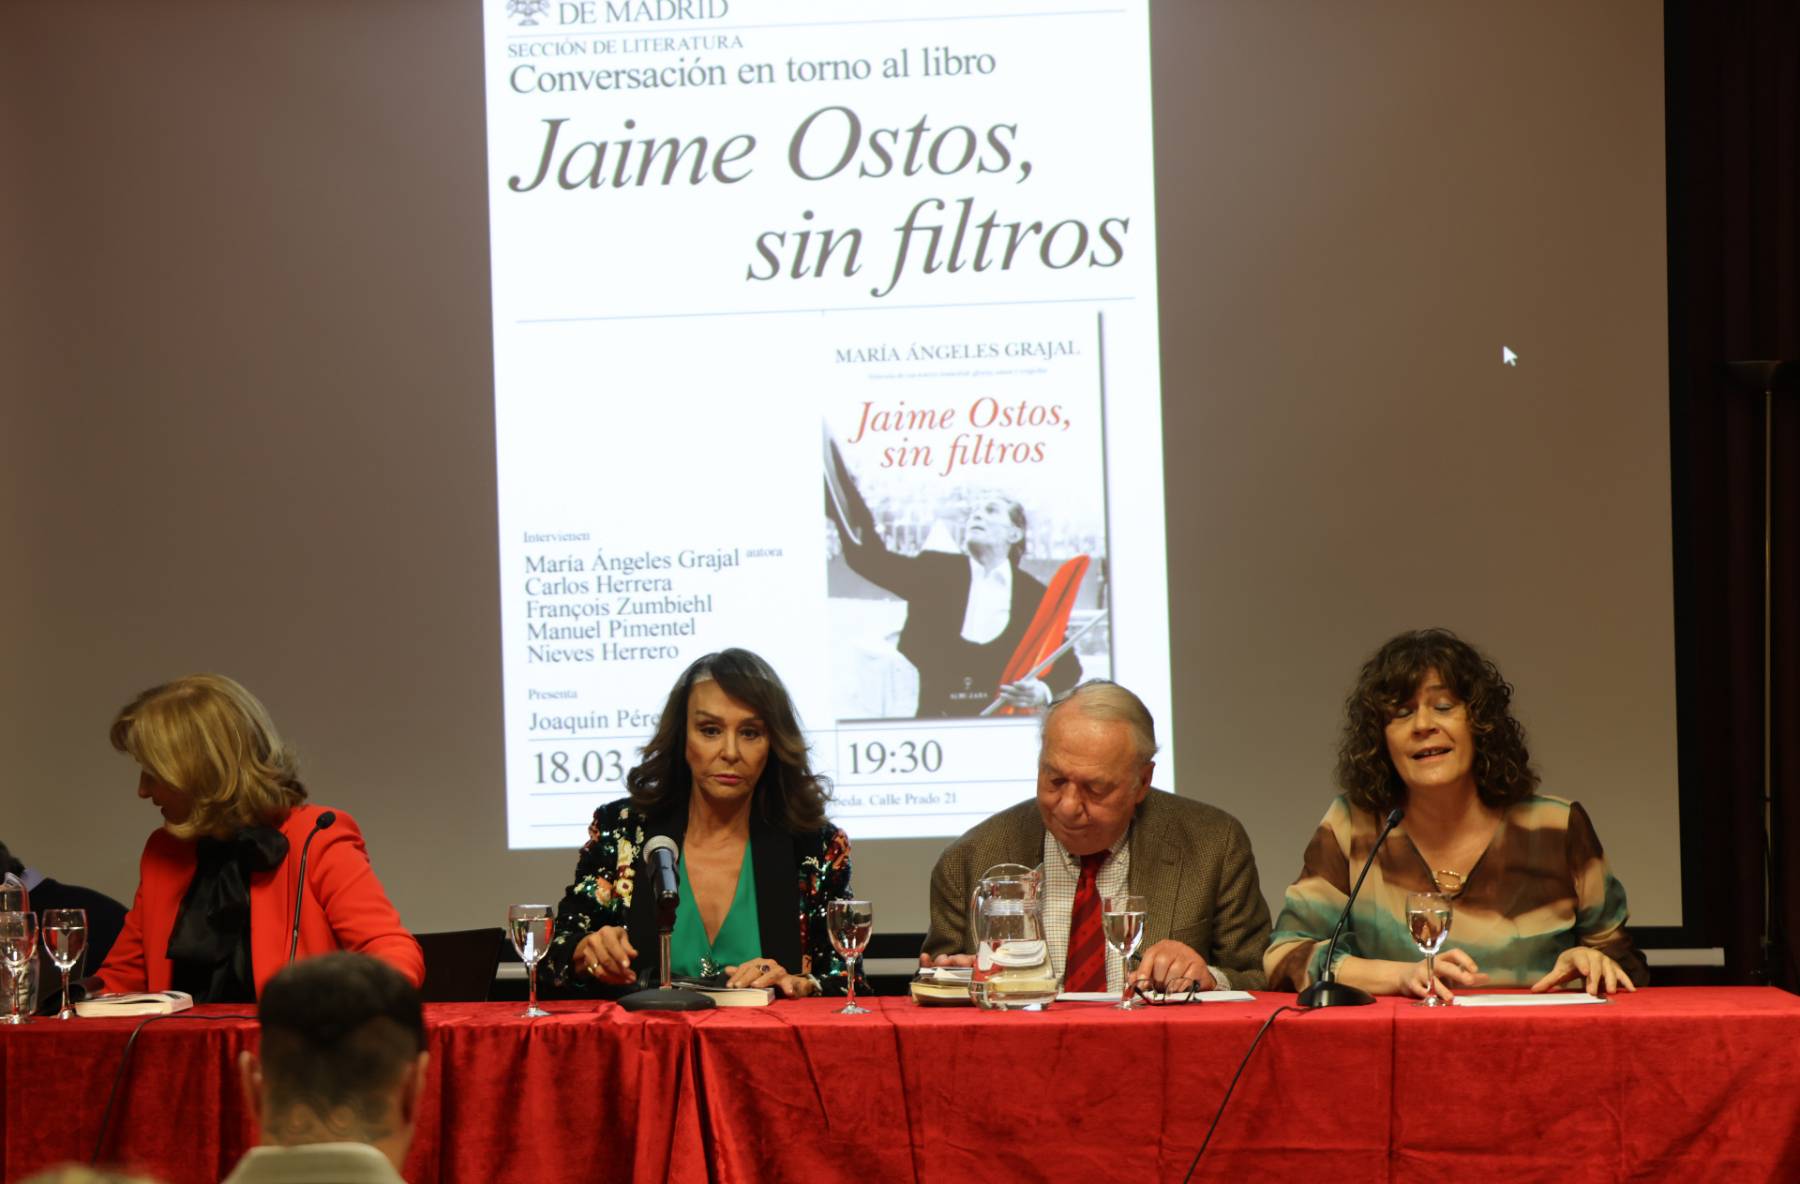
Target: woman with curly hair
pixel 726 776
pixel 1430 728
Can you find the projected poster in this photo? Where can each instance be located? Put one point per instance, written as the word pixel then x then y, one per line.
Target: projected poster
pixel 830 333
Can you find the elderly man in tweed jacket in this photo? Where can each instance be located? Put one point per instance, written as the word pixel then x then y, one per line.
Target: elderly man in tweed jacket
pixel 1098 828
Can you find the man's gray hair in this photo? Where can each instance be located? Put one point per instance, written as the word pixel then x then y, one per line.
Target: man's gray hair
pixel 1103 699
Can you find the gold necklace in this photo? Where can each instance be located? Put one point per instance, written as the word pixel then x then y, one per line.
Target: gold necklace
pixel 1456 882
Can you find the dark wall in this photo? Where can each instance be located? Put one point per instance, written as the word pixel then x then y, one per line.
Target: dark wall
pixel 1734 282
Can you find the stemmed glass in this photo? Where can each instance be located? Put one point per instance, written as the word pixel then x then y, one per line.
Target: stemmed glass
pixel 529 927
pixel 12 900
pixel 1122 921
pixel 849 923
pixel 1428 920
pixel 65 937
pixel 18 941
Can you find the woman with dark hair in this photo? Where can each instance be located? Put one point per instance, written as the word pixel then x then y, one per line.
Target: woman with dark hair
pixel 726 776
pixel 1430 728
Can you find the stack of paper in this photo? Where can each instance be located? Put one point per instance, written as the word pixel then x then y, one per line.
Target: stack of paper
pixel 1560 998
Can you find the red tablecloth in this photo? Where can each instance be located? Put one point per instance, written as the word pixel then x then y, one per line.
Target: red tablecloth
pixel 583 1095
pixel 1698 1084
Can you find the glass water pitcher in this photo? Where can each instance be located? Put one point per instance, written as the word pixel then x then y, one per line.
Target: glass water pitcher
pixel 1012 959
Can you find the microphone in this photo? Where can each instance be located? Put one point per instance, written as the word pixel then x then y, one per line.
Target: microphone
pixel 324 822
pixel 660 856
pixel 1328 992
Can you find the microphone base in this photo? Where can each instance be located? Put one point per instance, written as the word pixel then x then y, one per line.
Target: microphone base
pixel 1331 993
pixel 666 999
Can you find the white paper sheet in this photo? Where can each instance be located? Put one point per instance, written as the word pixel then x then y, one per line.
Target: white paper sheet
pixel 1566 997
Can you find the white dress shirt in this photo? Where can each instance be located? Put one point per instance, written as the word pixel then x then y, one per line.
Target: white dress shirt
pixel 315 1163
pixel 1062 876
pixel 990 602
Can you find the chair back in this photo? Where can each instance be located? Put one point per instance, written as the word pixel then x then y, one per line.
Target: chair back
pixel 460 964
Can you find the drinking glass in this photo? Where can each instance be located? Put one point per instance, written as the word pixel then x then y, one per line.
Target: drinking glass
pixel 1428 920
pixel 12 900
pixel 1122 921
pixel 849 923
pixel 18 941
pixel 529 927
pixel 65 937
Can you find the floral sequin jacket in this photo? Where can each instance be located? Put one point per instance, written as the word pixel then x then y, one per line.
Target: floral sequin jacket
pixel 607 872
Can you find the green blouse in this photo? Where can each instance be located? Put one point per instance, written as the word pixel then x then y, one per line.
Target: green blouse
pixel 739 939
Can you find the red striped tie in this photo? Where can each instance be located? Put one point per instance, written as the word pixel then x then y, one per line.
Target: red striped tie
pixel 1085 967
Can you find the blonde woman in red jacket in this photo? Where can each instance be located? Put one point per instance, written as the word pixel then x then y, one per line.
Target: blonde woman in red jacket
pixel 219 882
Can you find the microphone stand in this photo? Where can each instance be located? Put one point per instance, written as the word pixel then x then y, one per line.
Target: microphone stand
pixel 666 997
pixel 1328 992
pixel 325 822
pixel 1768 378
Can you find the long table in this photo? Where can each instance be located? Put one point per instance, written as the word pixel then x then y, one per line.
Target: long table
pixel 1690 1083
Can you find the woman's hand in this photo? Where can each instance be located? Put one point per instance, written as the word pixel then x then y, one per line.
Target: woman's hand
pixel 1454 968
pixel 766 972
pixel 1599 973
pixel 605 955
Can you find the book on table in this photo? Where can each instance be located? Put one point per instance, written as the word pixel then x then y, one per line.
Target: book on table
pixel 724 996
pixel 942 986
pixel 134 1003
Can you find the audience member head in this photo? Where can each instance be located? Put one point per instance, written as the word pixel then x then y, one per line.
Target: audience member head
pixel 10 863
pixel 1096 755
pixel 1391 680
pixel 209 756
pixel 343 1055
pixel 787 793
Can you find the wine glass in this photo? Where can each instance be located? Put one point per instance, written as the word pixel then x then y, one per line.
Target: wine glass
pixel 1122 921
pixel 65 937
pixel 849 923
pixel 1428 920
pixel 18 941
pixel 529 927
pixel 12 900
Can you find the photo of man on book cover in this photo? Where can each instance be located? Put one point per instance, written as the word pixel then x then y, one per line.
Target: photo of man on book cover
pixel 966 565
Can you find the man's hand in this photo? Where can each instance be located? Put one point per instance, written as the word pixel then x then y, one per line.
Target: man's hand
pixel 1029 693
pixel 926 961
pixel 1171 966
